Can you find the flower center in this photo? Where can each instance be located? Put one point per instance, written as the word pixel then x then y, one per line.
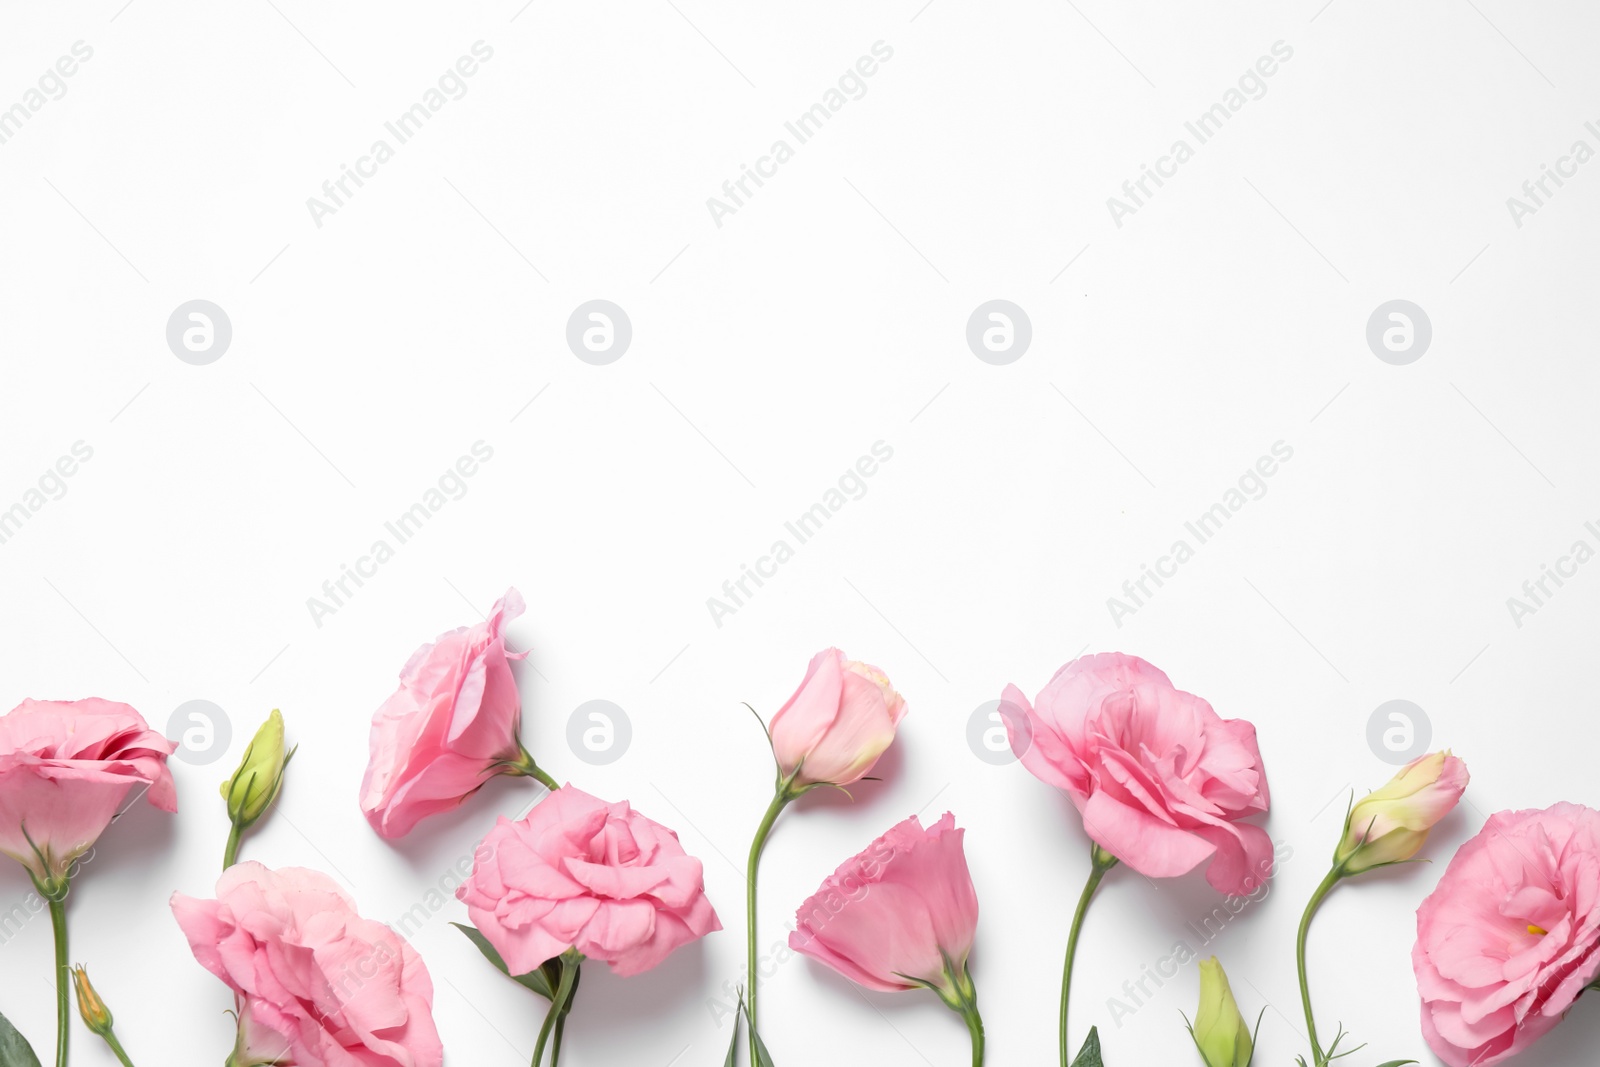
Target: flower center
pixel 1537 931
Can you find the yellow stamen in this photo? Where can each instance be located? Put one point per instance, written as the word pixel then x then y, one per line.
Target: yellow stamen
pixel 1537 931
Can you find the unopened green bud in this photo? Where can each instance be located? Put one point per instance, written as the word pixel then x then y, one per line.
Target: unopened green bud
pixel 1219 1030
pixel 255 785
pixel 94 1011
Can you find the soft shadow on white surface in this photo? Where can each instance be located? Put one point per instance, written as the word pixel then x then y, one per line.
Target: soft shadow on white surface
pixel 439 841
pixel 615 1016
pixel 142 831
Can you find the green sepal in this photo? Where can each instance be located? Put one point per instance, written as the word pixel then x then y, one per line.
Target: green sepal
pixel 14 1048
pixel 1189 1026
pixel 536 980
pixel 1089 1054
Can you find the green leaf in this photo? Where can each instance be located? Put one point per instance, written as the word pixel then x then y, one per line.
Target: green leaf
pixel 535 980
pixel 763 1057
pixel 1396 1063
pixel 14 1048
pixel 1089 1054
pixel 733 1045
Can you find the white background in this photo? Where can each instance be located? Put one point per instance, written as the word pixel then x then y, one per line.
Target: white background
pixel 829 313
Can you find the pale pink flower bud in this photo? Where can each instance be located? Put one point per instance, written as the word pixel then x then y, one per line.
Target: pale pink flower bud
pixel 838 722
pixel 1389 825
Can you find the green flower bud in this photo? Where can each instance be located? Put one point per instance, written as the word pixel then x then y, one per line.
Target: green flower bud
pixel 94 1011
pixel 1219 1031
pixel 255 785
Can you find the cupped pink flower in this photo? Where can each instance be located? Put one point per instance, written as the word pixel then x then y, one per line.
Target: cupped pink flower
pixel 450 727
pixel 1160 779
pixel 901 914
pixel 315 984
pixel 1511 936
pixel 838 722
pixel 65 769
pixel 583 874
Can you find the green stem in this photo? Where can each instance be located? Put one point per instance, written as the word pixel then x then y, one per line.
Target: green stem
pixel 524 766
pixel 969 1012
pixel 1103 861
pixel 116 1046
pixel 1317 1058
pixel 555 1040
pixel 569 973
pixel 58 922
pixel 230 855
pixel 561 1020
pixel 780 800
pixel 544 1034
pixel 960 995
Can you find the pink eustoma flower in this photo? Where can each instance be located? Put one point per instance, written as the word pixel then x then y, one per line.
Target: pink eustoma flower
pixel 450 727
pixel 315 984
pixel 579 873
pixel 1160 779
pixel 900 915
pixel 837 724
pixel 66 767
pixel 1511 936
